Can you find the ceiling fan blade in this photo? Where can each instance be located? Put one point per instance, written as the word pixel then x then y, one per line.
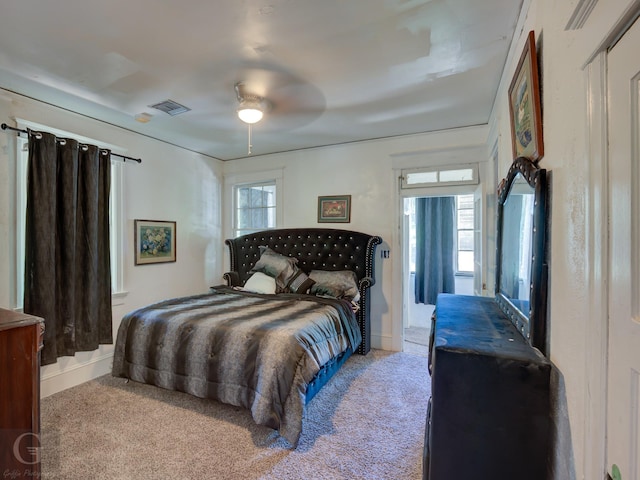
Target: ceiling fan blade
pixel 291 100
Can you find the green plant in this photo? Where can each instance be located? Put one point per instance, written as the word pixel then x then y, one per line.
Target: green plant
pixel 615 472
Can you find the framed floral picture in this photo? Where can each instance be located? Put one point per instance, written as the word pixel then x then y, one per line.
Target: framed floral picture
pixel 155 241
pixel 334 209
pixel 524 105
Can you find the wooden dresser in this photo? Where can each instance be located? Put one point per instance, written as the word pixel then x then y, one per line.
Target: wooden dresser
pixel 21 339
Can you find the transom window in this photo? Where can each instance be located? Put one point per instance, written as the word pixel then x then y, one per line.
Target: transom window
pixel 437 176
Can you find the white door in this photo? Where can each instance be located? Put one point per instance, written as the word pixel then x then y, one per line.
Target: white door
pixel 623 392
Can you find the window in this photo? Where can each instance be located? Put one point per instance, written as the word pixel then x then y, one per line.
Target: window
pixel 115 213
pixel 254 201
pixel 464 248
pixel 255 207
pixel 438 176
pixel 465 233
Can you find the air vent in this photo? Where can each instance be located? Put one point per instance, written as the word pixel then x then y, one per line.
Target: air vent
pixel 170 107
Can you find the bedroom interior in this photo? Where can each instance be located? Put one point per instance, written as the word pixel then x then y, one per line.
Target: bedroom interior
pixel 431 88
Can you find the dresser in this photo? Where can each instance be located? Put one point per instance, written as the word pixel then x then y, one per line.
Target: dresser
pixel 489 412
pixel 21 339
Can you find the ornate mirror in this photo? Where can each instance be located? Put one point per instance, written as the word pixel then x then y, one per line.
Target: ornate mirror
pixel 521 276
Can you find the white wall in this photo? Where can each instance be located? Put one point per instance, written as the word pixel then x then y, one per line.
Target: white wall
pixel 169 184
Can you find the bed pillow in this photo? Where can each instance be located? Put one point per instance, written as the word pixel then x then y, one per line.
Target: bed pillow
pixel 278 266
pixel 300 283
pixel 260 283
pixel 338 284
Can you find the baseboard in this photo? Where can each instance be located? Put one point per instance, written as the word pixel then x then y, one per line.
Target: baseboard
pixel 75 375
pixel 384 342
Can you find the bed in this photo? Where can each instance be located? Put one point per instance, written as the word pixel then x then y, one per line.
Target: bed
pixel 268 349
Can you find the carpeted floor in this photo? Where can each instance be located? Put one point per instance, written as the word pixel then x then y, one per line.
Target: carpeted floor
pixel 366 423
pixel 416 340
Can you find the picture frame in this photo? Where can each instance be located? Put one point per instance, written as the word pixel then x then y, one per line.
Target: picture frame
pixel 155 241
pixel 525 106
pixel 334 209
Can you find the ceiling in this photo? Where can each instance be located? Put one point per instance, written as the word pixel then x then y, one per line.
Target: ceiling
pixel 332 71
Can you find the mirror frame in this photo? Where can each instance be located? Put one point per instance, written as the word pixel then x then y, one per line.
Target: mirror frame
pixel 533 324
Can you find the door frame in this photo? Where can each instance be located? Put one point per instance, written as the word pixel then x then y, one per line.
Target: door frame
pixel 597 263
pixel 597 251
pixel 403 241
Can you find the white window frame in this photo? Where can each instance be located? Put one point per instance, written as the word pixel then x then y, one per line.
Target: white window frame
pixel 242 180
pixel 465 273
pixel 439 172
pixel 116 212
pixel 237 231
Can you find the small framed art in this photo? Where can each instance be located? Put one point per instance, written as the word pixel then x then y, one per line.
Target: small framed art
pixel 155 241
pixel 334 209
pixel 524 105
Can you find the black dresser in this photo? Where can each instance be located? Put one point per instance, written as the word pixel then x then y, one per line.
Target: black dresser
pixel 488 416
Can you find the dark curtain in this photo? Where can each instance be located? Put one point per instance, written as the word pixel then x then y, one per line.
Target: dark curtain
pixel 435 226
pixel 67 258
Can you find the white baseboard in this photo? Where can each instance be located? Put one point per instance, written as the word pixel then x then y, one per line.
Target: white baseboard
pixel 75 375
pixel 384 342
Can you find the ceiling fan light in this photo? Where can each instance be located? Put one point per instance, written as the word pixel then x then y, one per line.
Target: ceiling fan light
pixel 250 111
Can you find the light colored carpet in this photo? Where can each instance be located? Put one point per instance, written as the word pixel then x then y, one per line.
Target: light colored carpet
pixel 366 423
pixel 416 341
pixel 419 335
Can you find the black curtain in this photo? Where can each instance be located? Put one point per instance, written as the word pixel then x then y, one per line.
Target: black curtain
pixel 67 258
pixel 435 226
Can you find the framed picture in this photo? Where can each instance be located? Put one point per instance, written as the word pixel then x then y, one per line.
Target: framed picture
pixel 524 105
pixel 155 241
pixel 335 209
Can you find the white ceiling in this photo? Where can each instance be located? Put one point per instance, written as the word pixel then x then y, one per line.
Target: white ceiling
pixel 334 71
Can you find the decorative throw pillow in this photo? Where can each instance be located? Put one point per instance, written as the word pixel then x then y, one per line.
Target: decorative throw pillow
pixel 300 283
pixel 338 284
pixel 278 266
pixel 260 283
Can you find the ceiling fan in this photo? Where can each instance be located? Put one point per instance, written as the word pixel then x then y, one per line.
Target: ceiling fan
pixel 270 91
pixel 251 107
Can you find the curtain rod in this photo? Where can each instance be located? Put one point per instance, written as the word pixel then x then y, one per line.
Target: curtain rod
pixel 4 126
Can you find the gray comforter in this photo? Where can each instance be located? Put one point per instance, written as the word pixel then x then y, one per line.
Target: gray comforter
pixel 249 350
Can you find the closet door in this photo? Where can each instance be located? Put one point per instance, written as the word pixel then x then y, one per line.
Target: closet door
pixel 623 391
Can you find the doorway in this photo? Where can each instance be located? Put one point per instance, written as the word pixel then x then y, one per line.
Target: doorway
pixel 417 311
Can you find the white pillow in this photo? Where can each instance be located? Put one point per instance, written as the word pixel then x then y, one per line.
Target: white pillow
pixel 260 283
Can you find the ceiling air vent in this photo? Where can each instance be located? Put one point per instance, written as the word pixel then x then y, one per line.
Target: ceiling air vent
pixel 170 107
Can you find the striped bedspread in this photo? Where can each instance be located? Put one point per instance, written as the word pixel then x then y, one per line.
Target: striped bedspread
pixel 249 350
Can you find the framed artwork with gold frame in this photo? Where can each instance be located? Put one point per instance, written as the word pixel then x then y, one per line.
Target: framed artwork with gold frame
pixel 525 106
pixel 155 241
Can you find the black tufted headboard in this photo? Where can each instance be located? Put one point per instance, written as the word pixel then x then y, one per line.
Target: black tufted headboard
pixel 315 249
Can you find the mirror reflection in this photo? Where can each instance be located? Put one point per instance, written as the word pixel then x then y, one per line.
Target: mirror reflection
pixel 517 245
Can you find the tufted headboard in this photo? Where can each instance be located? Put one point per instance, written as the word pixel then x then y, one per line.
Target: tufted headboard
pixel 315 249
